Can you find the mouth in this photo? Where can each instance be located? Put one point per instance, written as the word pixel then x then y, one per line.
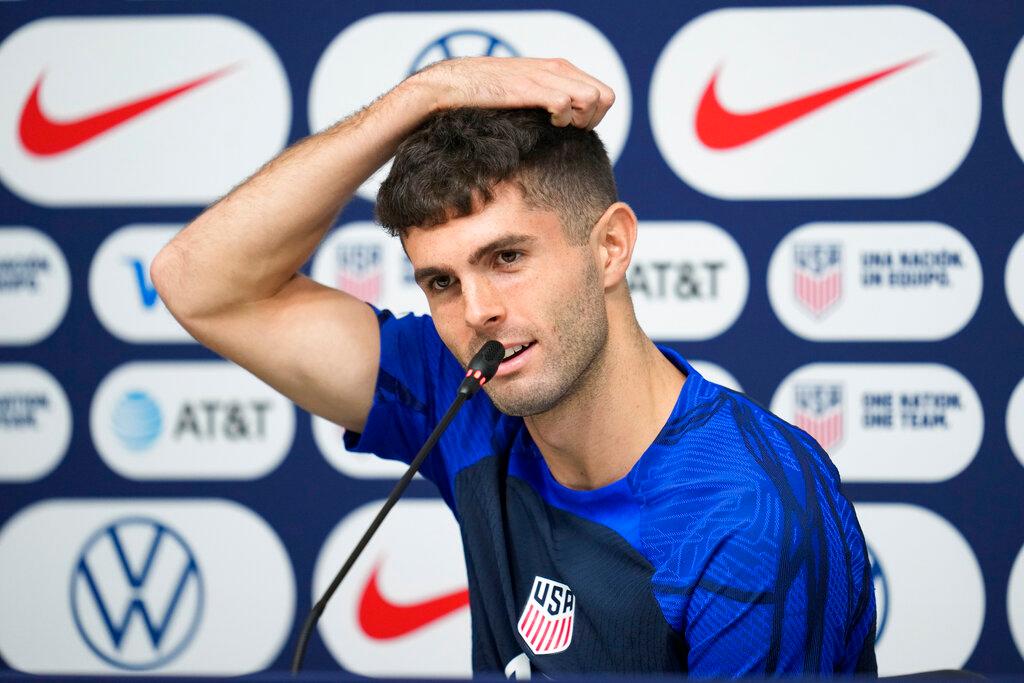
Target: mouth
pixel 515 350
pixel 516 355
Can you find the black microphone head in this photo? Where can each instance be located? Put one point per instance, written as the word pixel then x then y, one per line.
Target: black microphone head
pixel 488 358
pixel 483 366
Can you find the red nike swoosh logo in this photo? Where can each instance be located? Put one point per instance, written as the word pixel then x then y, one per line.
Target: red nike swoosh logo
pixel 382 619
pixel 44 136
pixel 719 128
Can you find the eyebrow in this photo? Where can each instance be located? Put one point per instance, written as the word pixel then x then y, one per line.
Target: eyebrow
pixel 499 244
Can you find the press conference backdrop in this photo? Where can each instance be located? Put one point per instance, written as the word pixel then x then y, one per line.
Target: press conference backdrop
pixel 831 218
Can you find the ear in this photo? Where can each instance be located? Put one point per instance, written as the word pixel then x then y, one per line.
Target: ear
pixel 614 236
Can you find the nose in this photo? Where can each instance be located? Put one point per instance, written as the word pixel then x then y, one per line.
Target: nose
pixel 483 303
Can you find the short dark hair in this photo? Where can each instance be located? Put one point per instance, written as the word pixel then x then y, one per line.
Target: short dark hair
pixel 451 163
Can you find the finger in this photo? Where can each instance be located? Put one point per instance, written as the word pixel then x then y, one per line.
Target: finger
pixel 606 96
pixel 520 87
pixel 529 93
pixel 605 102
pixel 584 97
pixel 560 108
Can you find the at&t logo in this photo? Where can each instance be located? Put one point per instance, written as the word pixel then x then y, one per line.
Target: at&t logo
pixel 191 420
pixel 137 420
pixel 688 279
pixel 136 594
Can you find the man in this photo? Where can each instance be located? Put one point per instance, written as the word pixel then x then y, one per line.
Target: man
pixel 619 512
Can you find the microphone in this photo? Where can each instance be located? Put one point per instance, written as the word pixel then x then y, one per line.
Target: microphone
pixel 480 371
pixel 482 368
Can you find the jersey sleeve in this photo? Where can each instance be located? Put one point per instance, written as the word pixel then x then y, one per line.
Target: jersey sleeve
pixel 414 363
pixel 766 572
pixel 783 589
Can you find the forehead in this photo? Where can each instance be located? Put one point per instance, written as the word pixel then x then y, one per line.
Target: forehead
pixel 455 240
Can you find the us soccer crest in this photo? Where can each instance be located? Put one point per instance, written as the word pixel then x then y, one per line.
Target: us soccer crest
pixel 359 270
pixel 819 412
pixel 546 622
pixel 818 276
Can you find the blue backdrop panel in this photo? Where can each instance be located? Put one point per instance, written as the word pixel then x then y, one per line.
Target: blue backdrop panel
pixel 912 392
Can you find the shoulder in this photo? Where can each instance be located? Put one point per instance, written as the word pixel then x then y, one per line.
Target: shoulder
pixel 413 359
pixel 727 496
pixel 725 436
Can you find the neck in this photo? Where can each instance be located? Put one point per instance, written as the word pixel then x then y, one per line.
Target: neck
pixel 596 434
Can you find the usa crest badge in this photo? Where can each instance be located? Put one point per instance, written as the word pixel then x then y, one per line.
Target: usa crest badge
pixel 359 270
pixel 547 619
pixel 818 276
pixel 819 412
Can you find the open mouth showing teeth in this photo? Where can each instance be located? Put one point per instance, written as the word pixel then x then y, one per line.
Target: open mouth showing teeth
pixel 515 350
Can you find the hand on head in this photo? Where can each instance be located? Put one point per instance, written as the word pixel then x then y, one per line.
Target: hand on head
pixel 571 96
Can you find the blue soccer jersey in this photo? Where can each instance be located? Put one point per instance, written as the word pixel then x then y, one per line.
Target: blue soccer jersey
pixel 728 549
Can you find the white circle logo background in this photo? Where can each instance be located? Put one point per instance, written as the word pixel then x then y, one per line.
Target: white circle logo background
pixel 1015 421
pixel 885 140
pixel 390 277
pixel 190 149
pixel 248 585
pixel 1014 277
pixel 329 439
pixel 156 567
pixel 418 552
pixel 1015 602
pixel 32 311
pixel 122 295
pixel 237 426
pixel 926 444
pixel 31 451
pixel 700 304
pixel 880 312
pixel 1013 99
pixel 936 600
pixel 375 53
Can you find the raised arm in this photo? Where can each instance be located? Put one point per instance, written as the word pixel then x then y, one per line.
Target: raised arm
pixel 231 277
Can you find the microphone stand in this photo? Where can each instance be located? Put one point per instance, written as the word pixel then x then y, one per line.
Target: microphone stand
pixel 481 370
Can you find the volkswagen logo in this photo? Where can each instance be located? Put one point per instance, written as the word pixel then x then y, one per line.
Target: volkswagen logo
pixel 136 593
pixel 462 43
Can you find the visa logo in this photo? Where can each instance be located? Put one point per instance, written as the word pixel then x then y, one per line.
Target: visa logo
pixel 147 292
pixel 122 294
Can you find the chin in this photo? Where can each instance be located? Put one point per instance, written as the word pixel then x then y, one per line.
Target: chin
pixel 522 402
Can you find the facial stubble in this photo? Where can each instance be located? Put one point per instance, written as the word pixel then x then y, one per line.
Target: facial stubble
pixel 572 358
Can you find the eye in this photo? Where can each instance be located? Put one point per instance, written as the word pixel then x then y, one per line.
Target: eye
pixel 440 283
pixel 508 257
